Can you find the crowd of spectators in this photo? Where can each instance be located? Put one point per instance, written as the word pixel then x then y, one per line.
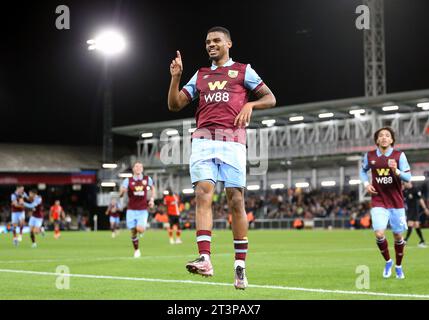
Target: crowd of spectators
pixel 293 203
pixel 285 204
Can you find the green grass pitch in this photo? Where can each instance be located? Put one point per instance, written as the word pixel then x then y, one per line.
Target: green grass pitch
pixel 282 263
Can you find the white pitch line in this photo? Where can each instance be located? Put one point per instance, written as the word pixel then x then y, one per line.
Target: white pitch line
pixel 380 294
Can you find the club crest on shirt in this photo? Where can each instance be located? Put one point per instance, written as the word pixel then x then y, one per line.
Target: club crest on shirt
pixel 232 73
pixel 144 182
pixel 206 76
pixel 373 162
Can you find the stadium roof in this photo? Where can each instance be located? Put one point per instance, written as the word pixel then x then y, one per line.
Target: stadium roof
pixel 406 102
pixel 48 158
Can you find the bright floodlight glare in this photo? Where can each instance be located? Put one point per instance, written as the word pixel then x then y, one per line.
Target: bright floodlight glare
pixel 418 178
pixel 354 182
pixel 188 191
pixel 390 108
pixel 253 187
pixel 109 42
pixel 302 184
pixel 277 186
pixel 125 175
pixel 268 122
pixel 108 184
pixel 357 112
pixel 110 165
pixel 147 135
pixel 326 115
pixel 328 183
pixel 165 192
pixel 297 118
pixel 424 105
pixel 172 132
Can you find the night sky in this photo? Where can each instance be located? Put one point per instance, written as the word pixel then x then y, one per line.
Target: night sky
pixel 306 50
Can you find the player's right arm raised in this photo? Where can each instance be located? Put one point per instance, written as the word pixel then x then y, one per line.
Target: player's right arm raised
pixel 177 100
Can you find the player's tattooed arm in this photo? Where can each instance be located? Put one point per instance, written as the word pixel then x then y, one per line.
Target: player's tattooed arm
pixel 266 98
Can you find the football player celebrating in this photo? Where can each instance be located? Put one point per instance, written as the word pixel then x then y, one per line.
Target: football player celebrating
pixel 389 167
pixel 219 142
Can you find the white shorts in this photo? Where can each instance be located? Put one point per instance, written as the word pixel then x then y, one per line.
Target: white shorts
pixel 381 217
pixel 35 222
pixel 18 217
pixel 215 160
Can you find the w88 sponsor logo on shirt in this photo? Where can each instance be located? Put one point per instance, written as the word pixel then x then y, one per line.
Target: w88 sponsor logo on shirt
pixel 384 176
pixel 217 97
pixel 384 180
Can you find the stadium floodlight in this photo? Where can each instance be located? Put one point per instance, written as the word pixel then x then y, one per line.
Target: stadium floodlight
pixel 390 108
pixel 269 122
pixel 302 185
pixel 353 182
pixel 328 183
pixel 277 186
pixel 296 118
pixel 357 112
pixel 188 191
pixel 423 105
pixel 108 184
pixel 109 42
pixel 41 186
pixel 172 132
pixel 191 130
pixel 326 115
pixel 253 187
pixel 125 175
pixel 418 178
pixel 147 135
pixel 110 165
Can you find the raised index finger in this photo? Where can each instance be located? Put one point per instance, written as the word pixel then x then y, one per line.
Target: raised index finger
pixel 178 54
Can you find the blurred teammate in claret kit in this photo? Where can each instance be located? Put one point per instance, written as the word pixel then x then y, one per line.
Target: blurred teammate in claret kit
pixel 389 167
pixel 114 211
pixel 219 142
pixel 36 220
pixel 18 212
pixel 137 214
